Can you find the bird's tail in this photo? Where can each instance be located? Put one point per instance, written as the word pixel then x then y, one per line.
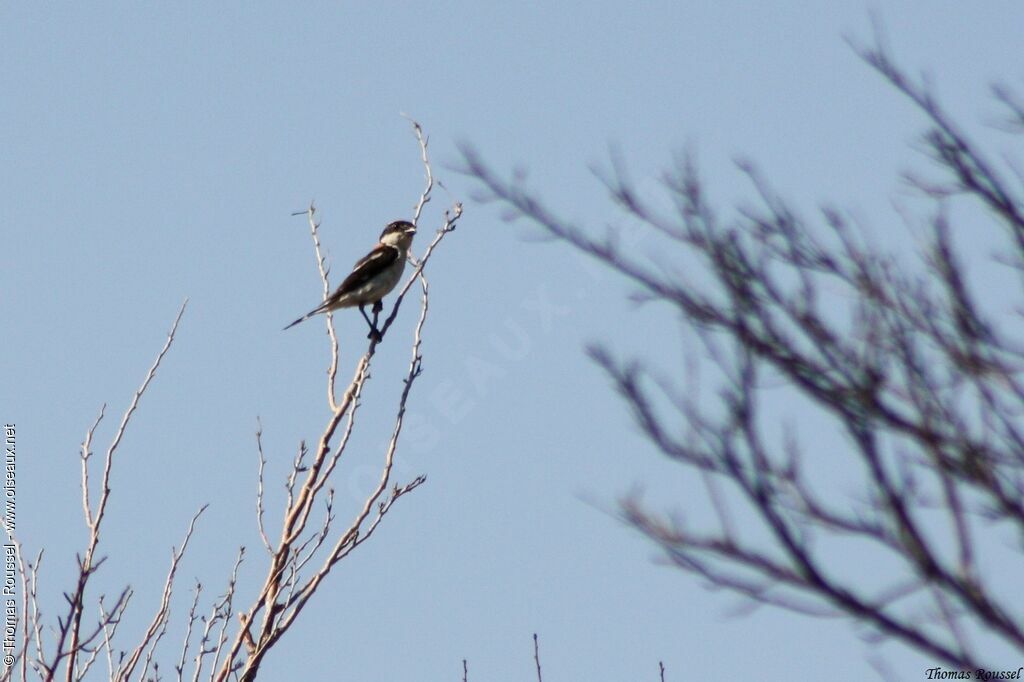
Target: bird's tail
pixel 305 317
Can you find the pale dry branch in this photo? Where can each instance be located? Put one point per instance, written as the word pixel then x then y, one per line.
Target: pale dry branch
pixel 69 630
pixel 286 589
pixel 86 454
pixel 227 608
pixel 37 627
pixel 259 488
pixel 318 539
pixel 314 479
pixel 108 462
pixel 321 264
pixel 298 467
pixel 429 186
pixel 92 651
pixel 353 537
pixel 192 618
pixel 77 641
pixel 20 650
pixel 219 614
pixel 108 647
pixel 158 626
pixel 111 621
pixel 272 630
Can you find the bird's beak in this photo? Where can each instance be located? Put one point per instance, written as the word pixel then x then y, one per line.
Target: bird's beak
pixel 410 230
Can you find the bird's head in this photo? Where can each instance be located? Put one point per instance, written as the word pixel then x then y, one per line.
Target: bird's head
pixel 398 233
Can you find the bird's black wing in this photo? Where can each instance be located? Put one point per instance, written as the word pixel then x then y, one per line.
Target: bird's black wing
pixel 366 268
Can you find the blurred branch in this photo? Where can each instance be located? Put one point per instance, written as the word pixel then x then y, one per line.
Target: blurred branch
pixel 536 656
pixel 921 379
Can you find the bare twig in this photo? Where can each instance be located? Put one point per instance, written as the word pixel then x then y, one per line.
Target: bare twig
pixel 192 618
pixel 536 656
pixel 429 186
pixel 69 639
pixel 286 589
pixel 159 623
pixel 321 264
pixel 259 487
pixel 110 622
pixel 910 360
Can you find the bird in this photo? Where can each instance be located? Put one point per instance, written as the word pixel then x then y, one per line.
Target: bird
pixel 372 277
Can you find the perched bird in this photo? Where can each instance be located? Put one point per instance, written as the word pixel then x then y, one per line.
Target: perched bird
pixel 372 277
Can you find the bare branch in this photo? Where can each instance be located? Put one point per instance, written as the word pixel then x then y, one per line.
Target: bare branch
pixel 259 487
pixel 425 195
pixel 536 656
pixel 907 361
pixel 69 640
pixel 159 623
pixel 286 589
pixel 321 264
pixel 192 618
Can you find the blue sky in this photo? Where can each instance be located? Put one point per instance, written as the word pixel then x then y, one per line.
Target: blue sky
pixel 153 152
